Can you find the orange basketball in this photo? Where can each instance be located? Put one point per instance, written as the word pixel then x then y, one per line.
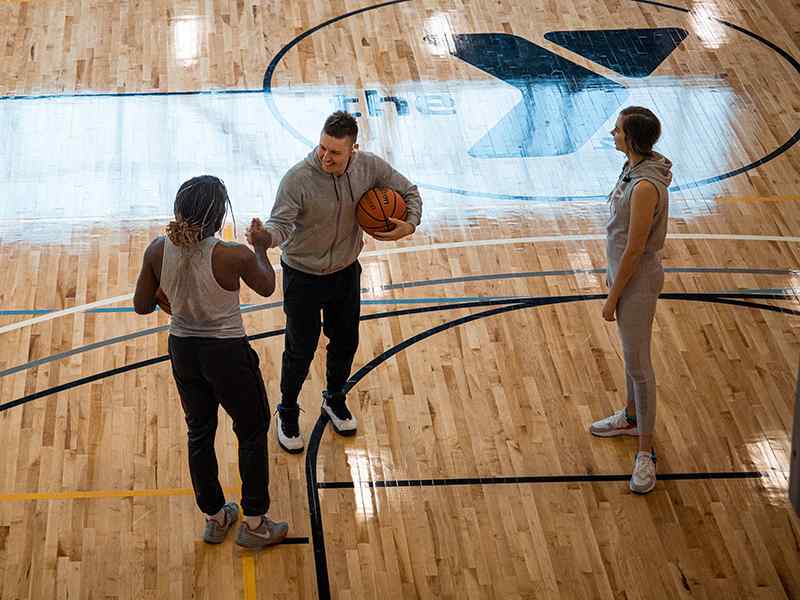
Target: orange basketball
pixel 375 208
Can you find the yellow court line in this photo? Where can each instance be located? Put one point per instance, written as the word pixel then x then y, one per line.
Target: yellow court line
pixel 249 577
pixel 81 494
pixel 248 563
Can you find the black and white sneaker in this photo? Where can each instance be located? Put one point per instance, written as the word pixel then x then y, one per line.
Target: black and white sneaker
pixel 334 406
pixel 288 431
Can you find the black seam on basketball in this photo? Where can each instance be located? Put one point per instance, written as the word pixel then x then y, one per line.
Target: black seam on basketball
pixel 372 198
pixel 380 224
pixel 374 217
pixel 393 200
pixel 380 205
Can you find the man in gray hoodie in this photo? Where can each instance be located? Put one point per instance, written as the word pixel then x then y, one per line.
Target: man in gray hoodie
pixel 314 222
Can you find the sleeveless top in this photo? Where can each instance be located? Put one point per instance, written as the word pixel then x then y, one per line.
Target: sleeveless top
pixel 658 171
pixel 201 307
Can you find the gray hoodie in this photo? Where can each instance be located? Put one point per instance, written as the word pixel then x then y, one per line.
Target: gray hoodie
pixel 314 217
pixel 657 170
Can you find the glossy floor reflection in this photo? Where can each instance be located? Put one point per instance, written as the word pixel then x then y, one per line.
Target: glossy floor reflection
pixel 483 355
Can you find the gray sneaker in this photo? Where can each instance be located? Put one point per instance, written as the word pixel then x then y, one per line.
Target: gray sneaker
pixel 214 532
pixel 643 479
pixel 268 533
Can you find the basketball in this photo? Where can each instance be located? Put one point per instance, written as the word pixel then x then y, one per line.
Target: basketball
pixel 377 206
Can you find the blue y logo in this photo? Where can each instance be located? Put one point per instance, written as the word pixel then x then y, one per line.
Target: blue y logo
pixel 563 104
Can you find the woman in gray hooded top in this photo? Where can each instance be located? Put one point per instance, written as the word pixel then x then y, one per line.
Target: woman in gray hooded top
pixel 636 231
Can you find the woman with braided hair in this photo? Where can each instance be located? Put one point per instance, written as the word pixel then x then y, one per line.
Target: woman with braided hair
pixel 195 277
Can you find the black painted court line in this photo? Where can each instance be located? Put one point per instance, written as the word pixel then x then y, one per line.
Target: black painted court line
pixel 390 483
pixel 500 306
pixel 716 298
pixel 314 509
pixel 405 285
pixel 273 64
pixel 313 486
pixel 772 46
pixel 295 540
pixel 259 336
pixel 91 95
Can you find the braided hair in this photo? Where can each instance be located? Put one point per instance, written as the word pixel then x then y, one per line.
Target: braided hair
pixel 200 208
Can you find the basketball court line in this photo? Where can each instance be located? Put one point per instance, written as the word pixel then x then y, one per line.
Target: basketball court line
pixel 246 216
pixel 312 485
pixel 275 61
pixel 789 294
pixel 449 280
pixel 343 485
pixel 499 307
pixel 64 312
pixel 82 95
pixel 249 577
pixel 429 248
pixel 95 494
pixel 742 300
pixel 522 479
pixel 248 565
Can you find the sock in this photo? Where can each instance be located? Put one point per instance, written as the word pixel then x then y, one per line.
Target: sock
pixel 253 522
pixel 630 418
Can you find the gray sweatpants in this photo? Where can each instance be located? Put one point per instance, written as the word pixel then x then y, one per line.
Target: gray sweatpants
pixel 635 312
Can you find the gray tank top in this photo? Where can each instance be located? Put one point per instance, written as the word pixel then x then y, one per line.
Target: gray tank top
pixel 658 171
pixel 201 307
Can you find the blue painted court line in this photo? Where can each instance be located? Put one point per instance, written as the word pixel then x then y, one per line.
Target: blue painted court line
pixel 384 302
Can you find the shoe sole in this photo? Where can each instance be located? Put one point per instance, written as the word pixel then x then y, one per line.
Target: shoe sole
pixel 614 433
pixel 284 448
pixel 642 492
pixel 342 432
pixel 290 450
pixel 214 542
pixel 260 544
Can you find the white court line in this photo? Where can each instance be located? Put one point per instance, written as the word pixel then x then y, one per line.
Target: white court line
pixel 443 246
pixel 578 238
pixel 63 313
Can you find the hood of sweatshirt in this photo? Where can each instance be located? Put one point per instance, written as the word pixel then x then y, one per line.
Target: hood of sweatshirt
pixel 657 168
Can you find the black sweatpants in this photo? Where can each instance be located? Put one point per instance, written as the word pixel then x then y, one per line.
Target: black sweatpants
pixel 210 372
pixel 338 297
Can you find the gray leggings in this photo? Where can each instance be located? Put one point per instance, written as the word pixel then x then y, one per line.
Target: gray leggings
pixel 635 312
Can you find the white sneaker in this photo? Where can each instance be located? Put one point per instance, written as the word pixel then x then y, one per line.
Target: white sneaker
pixel 643 478
pixel 290 438
pixel 616 424
pixel 335 408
